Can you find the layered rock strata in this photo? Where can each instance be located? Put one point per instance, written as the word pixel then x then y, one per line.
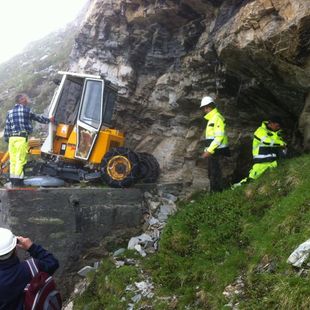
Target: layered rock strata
pixel 166 55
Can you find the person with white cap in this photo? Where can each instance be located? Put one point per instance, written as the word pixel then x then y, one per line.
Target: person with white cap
pixel 216 142
pixel 14 274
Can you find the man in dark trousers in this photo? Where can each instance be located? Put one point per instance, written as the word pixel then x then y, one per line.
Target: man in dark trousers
pixel 216 143
pixel 15 275
pixel 18 126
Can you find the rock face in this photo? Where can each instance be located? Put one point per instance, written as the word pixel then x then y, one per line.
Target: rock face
pixel 165 56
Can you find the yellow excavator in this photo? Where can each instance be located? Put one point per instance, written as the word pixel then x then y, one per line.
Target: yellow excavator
pixel 81 145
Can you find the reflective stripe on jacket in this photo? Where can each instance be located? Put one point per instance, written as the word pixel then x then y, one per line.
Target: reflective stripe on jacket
pixel 266 144
pixel 216 137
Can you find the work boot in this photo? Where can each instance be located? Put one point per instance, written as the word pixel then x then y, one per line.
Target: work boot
pixel 242 182
pixel 11 183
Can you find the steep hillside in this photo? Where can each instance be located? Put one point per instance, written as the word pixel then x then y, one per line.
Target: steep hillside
pixel 236 242
pixel 33 70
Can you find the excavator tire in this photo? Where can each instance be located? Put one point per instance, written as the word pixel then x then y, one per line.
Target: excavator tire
pixel 120 167
pixel 149 168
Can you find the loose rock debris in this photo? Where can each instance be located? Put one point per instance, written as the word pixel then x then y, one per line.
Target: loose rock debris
pixel 158 208
pixel 234 290
pixel 300 254
pixel 158 211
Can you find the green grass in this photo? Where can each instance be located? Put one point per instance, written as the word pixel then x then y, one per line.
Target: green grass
pixel 219 237
pixel 107 287
pixel 27 72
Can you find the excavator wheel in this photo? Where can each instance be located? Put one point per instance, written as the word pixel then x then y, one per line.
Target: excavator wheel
pixel 149 168
pixel 120 167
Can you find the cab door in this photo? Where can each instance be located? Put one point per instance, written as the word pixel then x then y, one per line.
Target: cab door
pixel 89 117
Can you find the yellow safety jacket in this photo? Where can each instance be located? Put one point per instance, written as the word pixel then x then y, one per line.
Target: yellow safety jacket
pixel 216 138
pixel 267 144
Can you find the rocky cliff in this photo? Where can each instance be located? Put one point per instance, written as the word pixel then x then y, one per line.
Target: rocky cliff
pixel 165 56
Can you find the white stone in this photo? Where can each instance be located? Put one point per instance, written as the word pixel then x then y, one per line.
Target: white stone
pixel 153 221
pixel 136 298
pixel 85 270
pixel 69 306
pixel 119 263
pixel 139 249
pixel 300 254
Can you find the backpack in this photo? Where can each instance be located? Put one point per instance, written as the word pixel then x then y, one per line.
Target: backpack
pixel 41 292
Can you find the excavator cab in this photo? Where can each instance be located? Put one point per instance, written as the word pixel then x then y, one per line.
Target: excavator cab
pixel 82 108
pixel 81 145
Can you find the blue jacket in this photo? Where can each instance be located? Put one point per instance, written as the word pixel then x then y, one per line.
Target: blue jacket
pixel 15 275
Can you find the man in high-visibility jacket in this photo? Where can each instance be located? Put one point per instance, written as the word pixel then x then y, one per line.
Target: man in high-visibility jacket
pixel 18 126
pixel 267 147
pixel 216 143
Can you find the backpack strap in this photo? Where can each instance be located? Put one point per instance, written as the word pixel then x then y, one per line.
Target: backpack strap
pixel 32 266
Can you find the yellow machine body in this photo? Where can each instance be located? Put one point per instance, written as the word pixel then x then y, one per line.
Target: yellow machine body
pixel 81 144
pixel 65 143
pixel 35 146
pixel 4 160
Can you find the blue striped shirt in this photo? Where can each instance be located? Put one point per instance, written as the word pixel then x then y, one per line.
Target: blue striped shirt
pixel 19 120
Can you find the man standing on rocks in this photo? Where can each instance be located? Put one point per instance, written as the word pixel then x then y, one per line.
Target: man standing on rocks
pixel 17 129
pixel 15 275
pixel 267 147
pixel 216 143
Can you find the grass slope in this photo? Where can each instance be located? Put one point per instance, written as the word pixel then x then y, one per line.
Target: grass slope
pixel 33 70
pixel 216 238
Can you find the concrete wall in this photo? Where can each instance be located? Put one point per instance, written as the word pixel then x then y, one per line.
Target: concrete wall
pixel 68 221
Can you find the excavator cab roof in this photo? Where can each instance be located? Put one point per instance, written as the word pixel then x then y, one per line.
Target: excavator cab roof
pixel 85 97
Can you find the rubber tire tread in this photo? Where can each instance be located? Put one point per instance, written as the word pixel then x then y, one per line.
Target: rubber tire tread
pixel 134 173
pixel 149 168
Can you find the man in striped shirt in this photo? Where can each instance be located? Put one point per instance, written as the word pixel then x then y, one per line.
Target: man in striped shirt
pixel 18 126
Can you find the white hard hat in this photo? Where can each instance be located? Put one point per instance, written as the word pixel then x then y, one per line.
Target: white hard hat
pixel 206 100
pixel 7 241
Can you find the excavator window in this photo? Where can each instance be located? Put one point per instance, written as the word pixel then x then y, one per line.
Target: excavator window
pixel 68 105
pixel 110 97
pixel 91 104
